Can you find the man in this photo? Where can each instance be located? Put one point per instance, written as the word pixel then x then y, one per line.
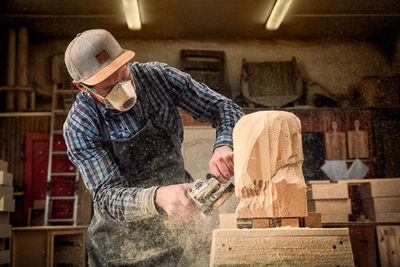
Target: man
pixel 124 134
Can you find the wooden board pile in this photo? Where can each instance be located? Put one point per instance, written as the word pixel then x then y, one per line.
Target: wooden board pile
pixel 380 199
pixel 364 200
pixel 7 205
pixel 330 199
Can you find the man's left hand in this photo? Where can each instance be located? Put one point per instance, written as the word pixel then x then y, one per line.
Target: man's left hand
pixel 221 163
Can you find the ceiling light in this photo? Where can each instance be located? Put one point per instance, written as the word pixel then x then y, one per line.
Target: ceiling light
pixel 132 14
pixel 278 12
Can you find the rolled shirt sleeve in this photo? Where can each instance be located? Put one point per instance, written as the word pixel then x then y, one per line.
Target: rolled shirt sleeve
pixel 204 104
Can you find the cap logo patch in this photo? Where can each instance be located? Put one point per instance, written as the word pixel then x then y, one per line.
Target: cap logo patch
pixel 102 56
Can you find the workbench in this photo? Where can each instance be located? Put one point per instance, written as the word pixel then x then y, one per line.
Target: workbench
pixel 48 245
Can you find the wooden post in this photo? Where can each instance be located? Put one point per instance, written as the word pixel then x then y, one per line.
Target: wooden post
pixel 10 95
pixel 22 68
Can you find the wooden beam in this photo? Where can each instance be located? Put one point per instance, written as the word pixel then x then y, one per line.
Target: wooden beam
pixel 281 246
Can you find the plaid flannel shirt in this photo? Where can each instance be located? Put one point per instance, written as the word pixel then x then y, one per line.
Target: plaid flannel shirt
pixel 166 88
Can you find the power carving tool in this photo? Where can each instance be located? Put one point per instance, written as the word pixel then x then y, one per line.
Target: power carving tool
pixel 209 195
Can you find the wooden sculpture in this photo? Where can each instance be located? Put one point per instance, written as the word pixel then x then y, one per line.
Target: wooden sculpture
pixel 268 159
pixel 269 183
pixel 357 142
pixel 335 144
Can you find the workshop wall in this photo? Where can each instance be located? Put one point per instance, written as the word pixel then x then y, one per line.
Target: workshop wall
pixel 335 65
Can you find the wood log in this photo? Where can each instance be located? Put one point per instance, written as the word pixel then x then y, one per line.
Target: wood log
pixel 268 159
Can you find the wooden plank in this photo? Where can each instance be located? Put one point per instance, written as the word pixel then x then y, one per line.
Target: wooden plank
pixel 387 217
pixel 7 203
pixel 332 218
pixel 330 206
pixel 281 246
pixel 227 221
pixel 380 188
pixel 389 245
pixel 383 204
pixel 6 190
pixel 328 191
pixel 6 178
pixel 3 165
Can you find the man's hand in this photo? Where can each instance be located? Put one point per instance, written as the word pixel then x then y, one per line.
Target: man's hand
pixel 173 201
pixel 221 163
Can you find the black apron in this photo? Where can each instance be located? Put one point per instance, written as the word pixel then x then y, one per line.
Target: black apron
pixel 150 157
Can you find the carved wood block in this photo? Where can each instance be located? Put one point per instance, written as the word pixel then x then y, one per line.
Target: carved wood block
pixel 268 159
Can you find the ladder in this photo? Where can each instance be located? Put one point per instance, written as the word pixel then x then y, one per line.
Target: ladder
pixel 61 102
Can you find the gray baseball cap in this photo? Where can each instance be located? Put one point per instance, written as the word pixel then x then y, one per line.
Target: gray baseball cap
pixel 94 55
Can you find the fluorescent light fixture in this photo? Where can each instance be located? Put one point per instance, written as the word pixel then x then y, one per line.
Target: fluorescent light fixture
pixel 278 12
pixel 132 14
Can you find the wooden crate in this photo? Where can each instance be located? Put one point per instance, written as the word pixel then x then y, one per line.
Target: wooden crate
pixel 48 245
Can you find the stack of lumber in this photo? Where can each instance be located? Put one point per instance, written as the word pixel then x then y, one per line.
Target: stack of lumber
pixel 330 199
pixel 7 205
pixel 380 199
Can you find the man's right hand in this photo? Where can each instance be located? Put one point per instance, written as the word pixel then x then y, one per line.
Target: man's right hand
pixel 173 201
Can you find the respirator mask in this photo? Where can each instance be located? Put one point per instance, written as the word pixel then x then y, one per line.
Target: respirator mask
pixel 121 97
